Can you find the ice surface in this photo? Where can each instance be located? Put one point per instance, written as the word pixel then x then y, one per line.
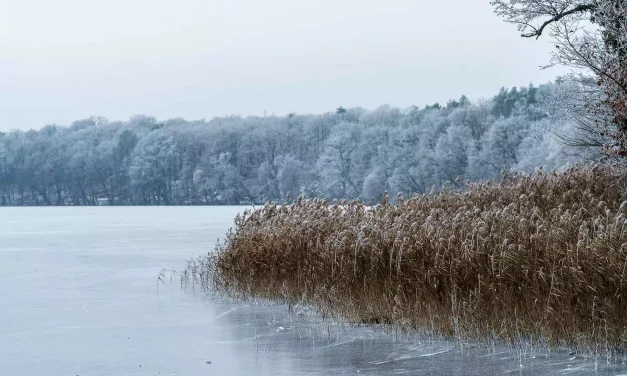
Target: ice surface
pixel 79 295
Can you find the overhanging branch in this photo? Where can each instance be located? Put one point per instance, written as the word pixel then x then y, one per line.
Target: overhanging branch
pixel 538 31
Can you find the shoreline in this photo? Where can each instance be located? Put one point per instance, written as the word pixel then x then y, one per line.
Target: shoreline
pixel 538 257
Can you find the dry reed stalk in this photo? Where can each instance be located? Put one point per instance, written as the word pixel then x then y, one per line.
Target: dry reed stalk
pixel 539 257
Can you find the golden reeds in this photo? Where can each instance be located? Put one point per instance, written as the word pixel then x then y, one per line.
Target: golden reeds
pixel 536 257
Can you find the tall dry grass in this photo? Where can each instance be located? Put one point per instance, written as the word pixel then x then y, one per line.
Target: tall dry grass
pixel 540 257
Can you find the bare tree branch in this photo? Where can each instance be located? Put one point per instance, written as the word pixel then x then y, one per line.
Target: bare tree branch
pixel 578 9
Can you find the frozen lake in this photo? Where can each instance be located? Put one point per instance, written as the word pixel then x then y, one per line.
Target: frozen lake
pixel 79 296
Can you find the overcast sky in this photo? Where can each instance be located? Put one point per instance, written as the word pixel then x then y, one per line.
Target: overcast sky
pixel 64 60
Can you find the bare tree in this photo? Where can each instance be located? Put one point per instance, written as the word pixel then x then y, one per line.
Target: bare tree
pixel 591 38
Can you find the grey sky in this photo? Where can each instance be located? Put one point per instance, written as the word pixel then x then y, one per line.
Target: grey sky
pixel 64 60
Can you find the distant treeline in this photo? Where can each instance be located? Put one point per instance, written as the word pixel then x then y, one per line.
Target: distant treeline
pixel 347 153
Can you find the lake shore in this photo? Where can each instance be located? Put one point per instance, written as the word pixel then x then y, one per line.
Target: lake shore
pixel 537 258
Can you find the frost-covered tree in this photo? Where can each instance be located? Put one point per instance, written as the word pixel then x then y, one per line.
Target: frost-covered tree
pixel 451 154
pixel 591 37
pixel 339 166
pixel 235 160
pixel 500 146
pixel 295 178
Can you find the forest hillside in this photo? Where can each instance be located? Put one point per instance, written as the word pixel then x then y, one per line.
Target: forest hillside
pixel 343 154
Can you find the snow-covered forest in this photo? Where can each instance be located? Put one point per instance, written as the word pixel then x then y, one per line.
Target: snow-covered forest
pixel 347 153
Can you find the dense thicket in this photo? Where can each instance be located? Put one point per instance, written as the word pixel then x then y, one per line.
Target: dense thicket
pixel 538 258
pixel 231 160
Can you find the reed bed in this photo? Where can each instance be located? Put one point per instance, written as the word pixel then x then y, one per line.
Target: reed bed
pixel 535 258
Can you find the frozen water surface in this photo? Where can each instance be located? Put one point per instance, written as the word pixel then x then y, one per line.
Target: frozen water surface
pixel 79 296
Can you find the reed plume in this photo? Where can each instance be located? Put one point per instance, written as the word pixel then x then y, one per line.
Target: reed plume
pixel 539 257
